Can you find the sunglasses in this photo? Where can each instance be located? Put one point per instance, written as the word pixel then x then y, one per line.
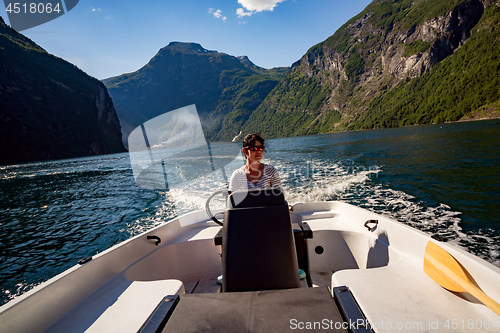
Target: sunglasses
pixel 261 148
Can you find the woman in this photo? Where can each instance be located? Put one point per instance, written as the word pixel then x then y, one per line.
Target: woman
pixel 254 174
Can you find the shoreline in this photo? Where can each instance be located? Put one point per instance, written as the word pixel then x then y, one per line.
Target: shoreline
pixel 495 115
pixel 461 120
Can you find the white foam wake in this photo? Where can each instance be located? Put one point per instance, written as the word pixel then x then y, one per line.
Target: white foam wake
pixel 318 180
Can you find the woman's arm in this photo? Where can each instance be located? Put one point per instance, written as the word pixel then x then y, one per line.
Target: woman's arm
pixel 237 181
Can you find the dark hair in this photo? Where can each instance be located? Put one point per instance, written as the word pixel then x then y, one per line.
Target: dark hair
pixel 250 139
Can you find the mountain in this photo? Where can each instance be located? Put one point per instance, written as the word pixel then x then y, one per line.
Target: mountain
pixel 224 88
pixel 397 63
pixel 50 109
pixel 276 72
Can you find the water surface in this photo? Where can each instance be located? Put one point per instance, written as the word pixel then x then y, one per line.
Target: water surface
pixel 442 179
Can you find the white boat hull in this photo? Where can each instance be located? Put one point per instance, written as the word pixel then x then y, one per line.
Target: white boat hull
pixel 383 268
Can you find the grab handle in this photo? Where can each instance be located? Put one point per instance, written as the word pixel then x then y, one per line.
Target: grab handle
pixel 371 221
pixel 158 240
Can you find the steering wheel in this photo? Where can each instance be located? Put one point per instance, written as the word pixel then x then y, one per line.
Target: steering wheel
pixel 207 206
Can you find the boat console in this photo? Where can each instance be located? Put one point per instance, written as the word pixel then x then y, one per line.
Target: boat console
pixel 261 283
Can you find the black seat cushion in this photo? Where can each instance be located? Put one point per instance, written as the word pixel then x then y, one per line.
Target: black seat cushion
pixel 259 311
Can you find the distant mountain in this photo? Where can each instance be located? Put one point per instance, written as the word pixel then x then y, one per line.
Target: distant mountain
pixel 276 72
pixel 225 89
pixel 397 63
pixel 49 109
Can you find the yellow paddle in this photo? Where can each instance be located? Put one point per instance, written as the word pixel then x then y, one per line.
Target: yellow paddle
pixel 450 274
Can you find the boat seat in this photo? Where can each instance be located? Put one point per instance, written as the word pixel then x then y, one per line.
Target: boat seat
pixel 402 294
pixel 120 305
pixel 256 311
pixel 258 248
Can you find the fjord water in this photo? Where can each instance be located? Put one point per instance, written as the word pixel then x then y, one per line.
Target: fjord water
pixel 442 179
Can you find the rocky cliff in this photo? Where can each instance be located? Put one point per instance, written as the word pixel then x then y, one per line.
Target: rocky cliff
pixel 397 63
pixel 224 88
pixel 50 109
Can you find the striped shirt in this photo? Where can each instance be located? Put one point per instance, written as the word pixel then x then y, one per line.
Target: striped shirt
pixel 239 180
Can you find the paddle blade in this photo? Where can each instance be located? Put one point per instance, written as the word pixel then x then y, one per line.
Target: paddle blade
pixel 437 264
pixel 450 274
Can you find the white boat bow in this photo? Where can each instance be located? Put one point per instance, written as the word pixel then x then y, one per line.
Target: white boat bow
pixel 381 265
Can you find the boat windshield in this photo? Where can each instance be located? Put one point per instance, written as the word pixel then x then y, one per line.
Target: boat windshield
pixel 170 152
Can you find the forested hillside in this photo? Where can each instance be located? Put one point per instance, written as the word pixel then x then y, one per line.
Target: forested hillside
pixel 50 109
pixel 397 63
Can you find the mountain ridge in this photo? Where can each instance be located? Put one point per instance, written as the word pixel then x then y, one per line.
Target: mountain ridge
pixel 346 82
pixel 397 63
pixel 388 66
pixel 49 108
pixel 225 88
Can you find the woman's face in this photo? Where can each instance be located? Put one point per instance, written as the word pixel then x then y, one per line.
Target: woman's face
pixel 254 155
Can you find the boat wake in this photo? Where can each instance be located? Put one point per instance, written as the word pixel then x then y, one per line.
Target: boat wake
pixel 359 186
pixel 319 180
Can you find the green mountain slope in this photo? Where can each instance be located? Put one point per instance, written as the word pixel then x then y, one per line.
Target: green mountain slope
pixel 225 89
pixel 459 87
pixel 397 63
pixel 49 109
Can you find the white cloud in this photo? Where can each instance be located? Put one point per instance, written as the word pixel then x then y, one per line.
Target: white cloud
pixel 217 14
pixel 240 12
pixel 259 5
pixel 96 9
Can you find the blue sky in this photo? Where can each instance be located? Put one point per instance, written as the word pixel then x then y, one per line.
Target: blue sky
pixel 111 37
